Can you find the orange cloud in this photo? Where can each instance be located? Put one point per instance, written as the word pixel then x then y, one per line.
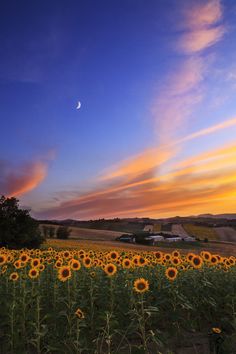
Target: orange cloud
pixel 226 124
pixel 16 181
pixel 141 163
pixel 194 185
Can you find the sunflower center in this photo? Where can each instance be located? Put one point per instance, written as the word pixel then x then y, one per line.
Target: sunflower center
pixel 65 273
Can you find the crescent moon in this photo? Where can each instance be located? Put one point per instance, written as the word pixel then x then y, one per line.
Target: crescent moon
pixel 79 105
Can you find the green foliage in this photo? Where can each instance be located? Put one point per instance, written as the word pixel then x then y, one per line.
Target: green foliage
pixel 38 315
pixel 17 228
pixel 63 232
pixel 48 231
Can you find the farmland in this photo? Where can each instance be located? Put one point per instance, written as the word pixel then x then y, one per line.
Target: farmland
pixel 90 234
pixel 201 232
pixel 99 300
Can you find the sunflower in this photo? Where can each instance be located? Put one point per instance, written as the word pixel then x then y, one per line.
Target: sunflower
pixel 74 264
pixel 126 263
pixel 35 262
pixel 87 262
pixel 167 256
pixel 79 313
pixel 3 259
pixel 113 255
pixel 66 254
pixel 110 269
pixel 142 261
pixel 58 263
pixel 64 273
pixel 190 256
pixel 41 267
pixel 141 285
pixel 14 276
pixel 176 254
pixel 4 269
pixel 135 259
pixel 214 259
pixel 17 264
pixel 216 330
pixel 196 262
pixel 33 273
pixel 206 256
pixel 24 257
pixel 171 273
pixel 175 261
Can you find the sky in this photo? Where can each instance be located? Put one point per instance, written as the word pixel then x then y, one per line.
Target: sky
pixel 155 135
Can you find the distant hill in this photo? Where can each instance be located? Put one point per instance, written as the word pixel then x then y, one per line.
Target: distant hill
pixel 219 216
pixel 131 225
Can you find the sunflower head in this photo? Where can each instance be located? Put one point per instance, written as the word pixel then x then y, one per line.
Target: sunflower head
pixel 171 273
pixel 35 262
pixel 79 313
pixel 64 273
pixel 74 264
pixel 113 255
pixel 110 269
pixel 214 259
pixel 14 276
pixel 141 285
pixel 33 273
pixel 87 262
pixel 216 330
pixel 206 256
pixel 3 259
pixel 196 262
pixel 141 261
pixel 126 263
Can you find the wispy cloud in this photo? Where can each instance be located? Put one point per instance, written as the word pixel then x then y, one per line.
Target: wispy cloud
pixel 180 93
pixel 197 184
pixel 141 186
pixel 19 179
pixel 202 26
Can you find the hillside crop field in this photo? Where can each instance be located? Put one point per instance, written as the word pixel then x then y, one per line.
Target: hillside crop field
pixel 101 301
pixel 201 232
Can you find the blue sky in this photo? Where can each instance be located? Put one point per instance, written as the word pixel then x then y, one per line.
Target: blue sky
pixel 147 74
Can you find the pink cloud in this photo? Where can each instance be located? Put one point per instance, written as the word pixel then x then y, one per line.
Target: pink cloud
pixel 199 40
pixel 18 180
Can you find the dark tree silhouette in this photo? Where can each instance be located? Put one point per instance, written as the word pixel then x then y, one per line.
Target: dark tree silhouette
pixel 63 232
pixel 17 228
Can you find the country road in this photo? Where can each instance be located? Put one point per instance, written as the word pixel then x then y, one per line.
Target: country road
pixel 226 234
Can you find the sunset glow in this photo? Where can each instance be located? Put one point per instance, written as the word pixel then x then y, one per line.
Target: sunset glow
pixel 155 135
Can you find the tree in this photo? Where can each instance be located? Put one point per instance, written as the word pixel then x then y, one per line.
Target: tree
pixel 63 232
pixel 45 231
pixel 17 228
pixel 51 231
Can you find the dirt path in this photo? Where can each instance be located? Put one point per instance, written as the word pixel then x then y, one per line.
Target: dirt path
pixel 226 234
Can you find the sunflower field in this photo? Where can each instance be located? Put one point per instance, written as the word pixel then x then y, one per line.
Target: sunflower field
pixel 107 301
